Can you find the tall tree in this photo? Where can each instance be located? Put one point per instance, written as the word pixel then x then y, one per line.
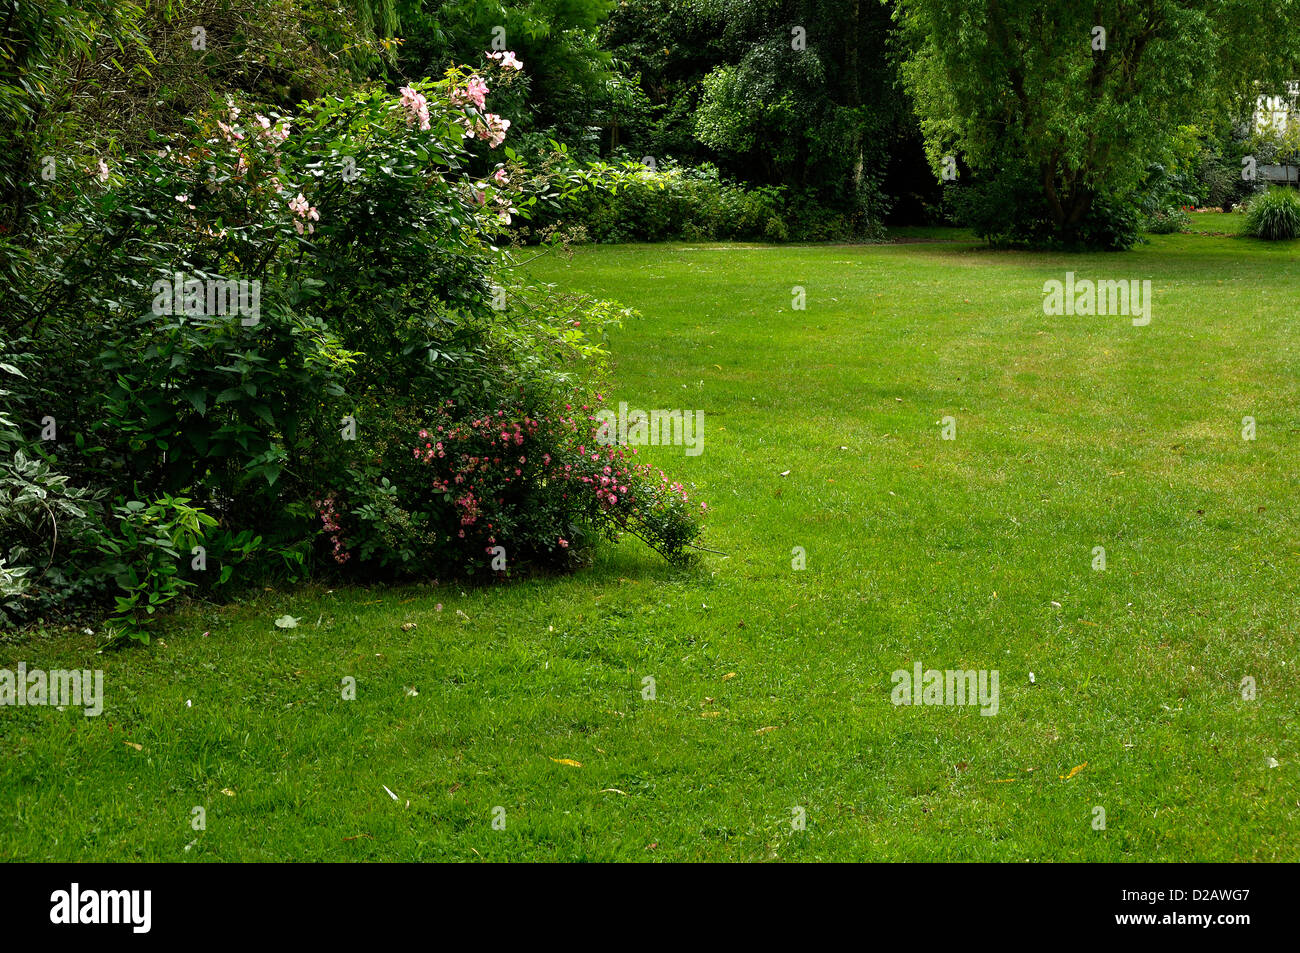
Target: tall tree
pixel 1077 99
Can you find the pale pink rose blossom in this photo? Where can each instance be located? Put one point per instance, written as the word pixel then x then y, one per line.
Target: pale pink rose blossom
pixel 306 214
pixel 417 108
pixel 506 59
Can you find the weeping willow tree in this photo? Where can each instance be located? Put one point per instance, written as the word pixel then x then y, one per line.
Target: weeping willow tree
pixel 378 18
pixel 1074 101
pixel 43 51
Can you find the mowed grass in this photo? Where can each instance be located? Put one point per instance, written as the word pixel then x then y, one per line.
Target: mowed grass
pixel 772 685
pixel 1217 223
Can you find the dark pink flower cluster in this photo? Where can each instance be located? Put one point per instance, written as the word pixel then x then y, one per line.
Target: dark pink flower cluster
pixel 477 459
pixel 612 474
pixel 498 470
pixel 330 524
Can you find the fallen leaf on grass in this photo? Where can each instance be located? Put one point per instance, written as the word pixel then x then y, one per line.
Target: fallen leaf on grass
pixel 408 626
pixel 132 744
pixel 390 793
pixel 569 761
pixel 359 836
pixel 1073 771
pixel 710 714
pixel 730 675
pixel 286 622
pixel 227 792
pixel 613 791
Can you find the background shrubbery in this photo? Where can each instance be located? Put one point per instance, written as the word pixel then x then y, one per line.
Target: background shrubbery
pixel 1202 170
pixel 631 201
pixel 1011 210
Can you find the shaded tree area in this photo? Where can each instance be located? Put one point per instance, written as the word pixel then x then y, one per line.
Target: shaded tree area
pixel 802 93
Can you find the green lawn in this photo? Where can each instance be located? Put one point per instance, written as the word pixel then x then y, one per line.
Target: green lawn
pixel 772 686
pixel 1217 223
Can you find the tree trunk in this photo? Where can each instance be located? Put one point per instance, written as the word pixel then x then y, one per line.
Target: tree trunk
pixel 854 90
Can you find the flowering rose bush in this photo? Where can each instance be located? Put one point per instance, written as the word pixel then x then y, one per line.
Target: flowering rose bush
pixel 245 316
pixel 441 490
pixel 542 484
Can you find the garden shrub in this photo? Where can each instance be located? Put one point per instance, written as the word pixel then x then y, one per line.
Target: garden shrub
pixel 1111 225
pixel 1274 215
pixel 1166 192
pixel 1166 221
pixel 629 202
pixel 1219 181
pixel 240 333
pixel 1005 210
pixel 43 516
pixel 536 482
pixel 1011 210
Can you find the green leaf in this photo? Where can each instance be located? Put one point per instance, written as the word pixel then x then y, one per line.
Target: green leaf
pixel 199 399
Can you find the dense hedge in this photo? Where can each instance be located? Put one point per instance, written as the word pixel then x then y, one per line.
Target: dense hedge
pixel 635 202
